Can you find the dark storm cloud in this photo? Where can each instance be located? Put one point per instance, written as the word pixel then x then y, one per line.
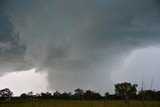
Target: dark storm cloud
pixel 12 51
pixel 79 42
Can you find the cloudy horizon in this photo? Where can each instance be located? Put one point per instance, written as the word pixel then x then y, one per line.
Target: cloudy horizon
pixel 86 44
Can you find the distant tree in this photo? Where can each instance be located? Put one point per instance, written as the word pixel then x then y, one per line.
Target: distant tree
pixel 107 95
pixel 90 95
pixel 79 94
pixel 37 95
pixel 23 96
pixel 56 95
pixel 30 93
pixel 66 95
pixel 46 95
pixel 125 90
pixel 158 95
pixel 148 95
pixel 6 94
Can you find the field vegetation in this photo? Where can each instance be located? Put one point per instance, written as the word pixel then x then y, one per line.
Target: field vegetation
pixel 77 103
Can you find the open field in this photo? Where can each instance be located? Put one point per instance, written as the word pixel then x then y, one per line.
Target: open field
pixel 72 103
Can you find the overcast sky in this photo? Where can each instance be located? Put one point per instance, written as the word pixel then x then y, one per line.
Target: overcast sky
pixel 89 44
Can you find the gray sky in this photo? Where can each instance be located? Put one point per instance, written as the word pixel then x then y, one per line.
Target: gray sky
pixel 80 43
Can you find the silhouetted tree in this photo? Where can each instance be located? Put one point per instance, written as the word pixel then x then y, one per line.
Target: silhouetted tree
pixel 46 95
pixel 148 95
pixel 79 94
pixel 125 90
pixel 107 95
pixel 30 93
pixel 23 96
pixel 66 95
pixel 6 94
pixel 56 95
pixel 158 95
pixel 90 95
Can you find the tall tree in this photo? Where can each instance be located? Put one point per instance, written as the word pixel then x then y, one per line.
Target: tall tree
pixel 6 94
pixel 79 94
pixel 125 90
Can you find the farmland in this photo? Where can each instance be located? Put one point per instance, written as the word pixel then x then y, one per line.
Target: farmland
pixel 77 103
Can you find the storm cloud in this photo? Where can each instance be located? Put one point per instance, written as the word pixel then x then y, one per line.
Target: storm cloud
pixel 77 42
pixel 12 50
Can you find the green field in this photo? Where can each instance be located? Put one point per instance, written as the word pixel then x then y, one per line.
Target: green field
pixel 72 103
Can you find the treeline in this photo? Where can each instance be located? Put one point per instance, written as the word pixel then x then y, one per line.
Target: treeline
pixel 80 94
pixel 124 91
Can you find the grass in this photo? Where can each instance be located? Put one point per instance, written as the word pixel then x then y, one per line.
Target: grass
pixel 74 103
